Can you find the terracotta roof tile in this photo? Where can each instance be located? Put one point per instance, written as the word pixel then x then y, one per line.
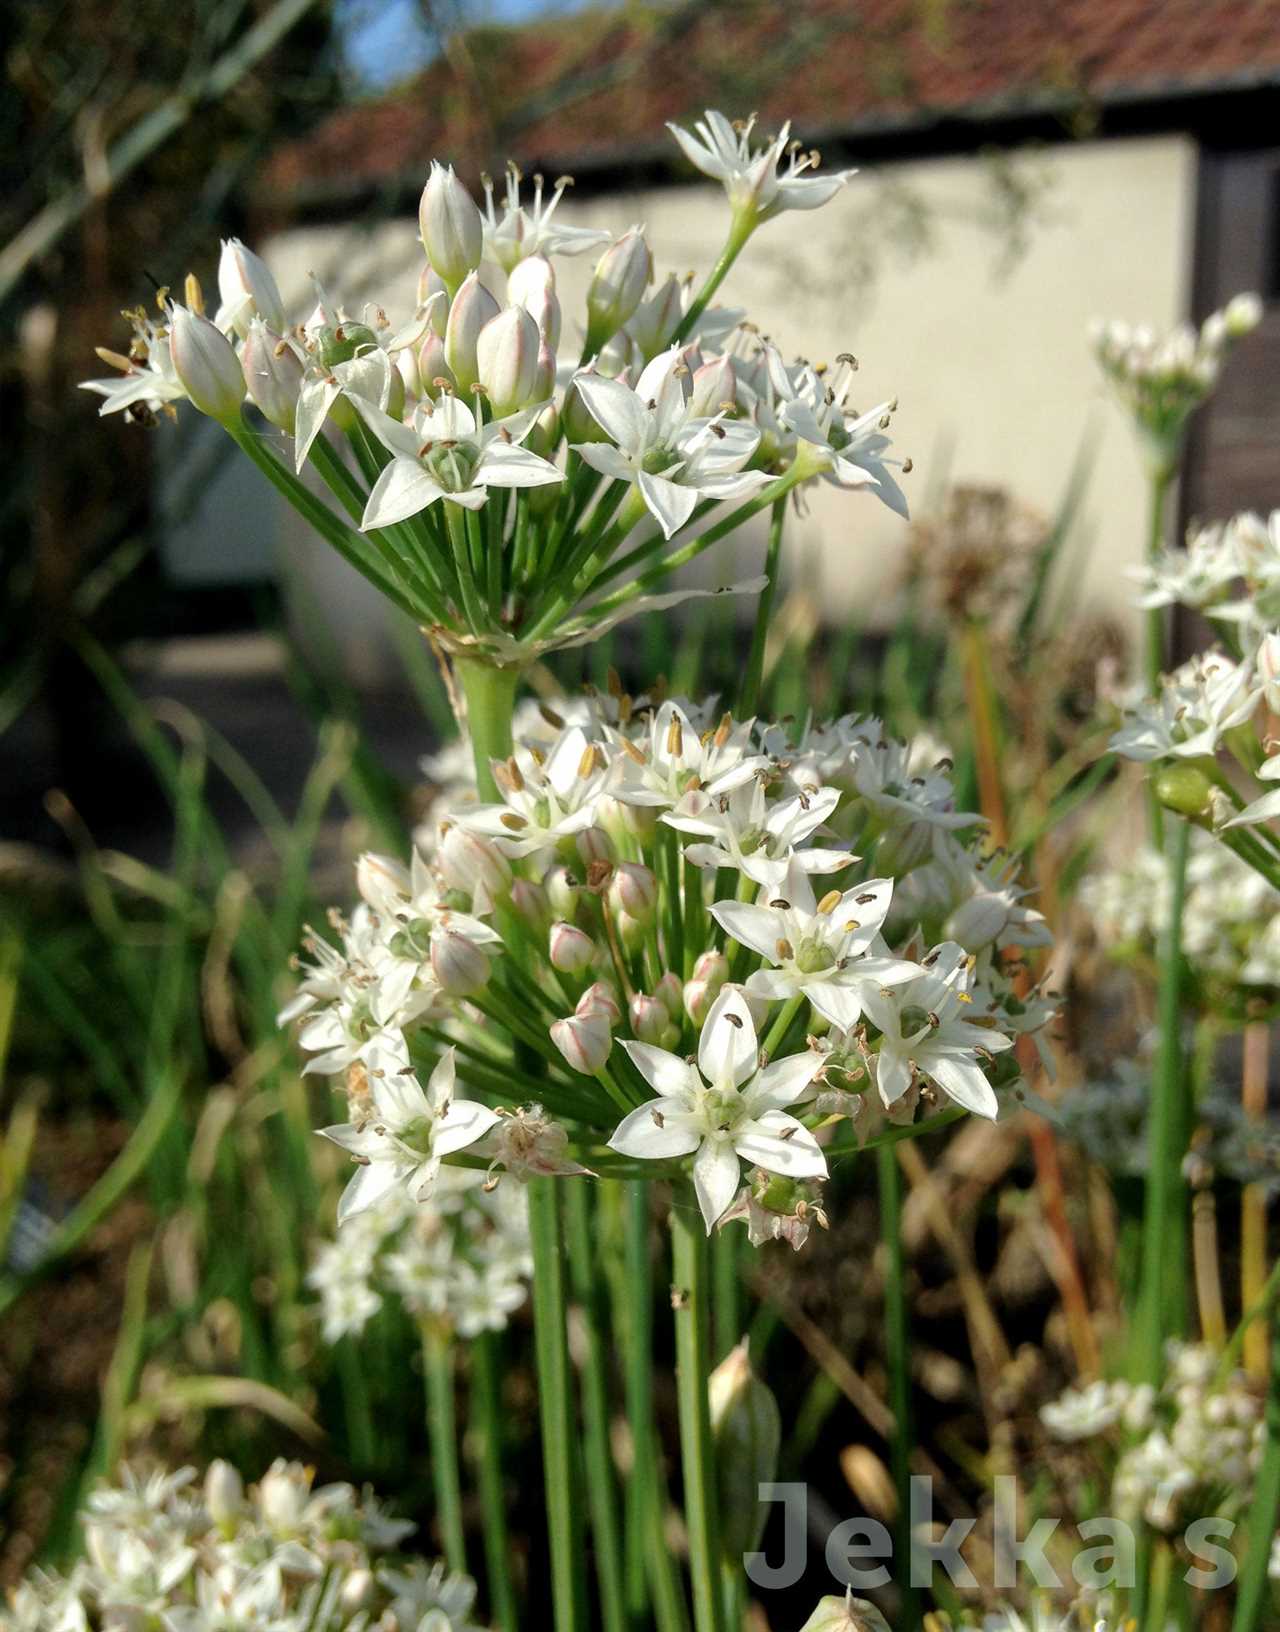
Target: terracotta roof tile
pixel 833 66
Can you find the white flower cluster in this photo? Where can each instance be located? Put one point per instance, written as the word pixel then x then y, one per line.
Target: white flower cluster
pixel 647 876
pixel 1202 1441
pixel 1231 575
pixel 523 468
pixel 1162 379
pixel 462 1257
pixel 1231 918
pixel 162 1552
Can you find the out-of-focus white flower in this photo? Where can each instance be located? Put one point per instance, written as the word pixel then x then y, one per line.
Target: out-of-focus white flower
pixel 756 188
pixel 1197 705
pixel 515 232
pixel 247 289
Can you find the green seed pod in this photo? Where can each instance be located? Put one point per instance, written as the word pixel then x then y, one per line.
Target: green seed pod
pixel 747 1429
pixel 1184 788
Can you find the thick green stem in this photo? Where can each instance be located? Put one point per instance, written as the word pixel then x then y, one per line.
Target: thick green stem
pixel 555 1408
pixel 1252 1594
pixel 898 1359
pixel 727 1322
pixel 601 1498
pixel 490 693
pixel 1155 655
pixel 437 1368
pixel 1164 1219
pixel 693 1368
pixel 749 699
pixel 486 1427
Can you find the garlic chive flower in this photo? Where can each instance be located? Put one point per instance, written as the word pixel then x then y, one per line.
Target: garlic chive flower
pixel 514 232
pixel 757 189
pixel 725 1109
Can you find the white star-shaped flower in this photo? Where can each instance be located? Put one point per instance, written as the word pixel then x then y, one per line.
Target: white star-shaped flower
pixel 756 188
pixel 726 1108
pixel 751 834
pixel 406 1130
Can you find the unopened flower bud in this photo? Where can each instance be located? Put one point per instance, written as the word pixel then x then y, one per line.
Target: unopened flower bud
pixel 670 991
pixel 563 893
pixel 272 376
pixel 584 1039
pixel 247 288
pixel 634 890
pixel 701 990
pixel 621 277
pixel 223 1493
pixel 530 901
pixel 747 1429
pixel 847 1614
pixel 594 845
pixel 580 424
pixel 570 949
pixel 359 1592
pixel 1242 314
pixel 472 863
pixel 544 380
pixel 431 285
pixel 206 365
pixel 473 307
pixel 507 360
pixel 651 1022
pixel 283 1493
pixel 452 227
pixel 977 922
pixel 532 285
pixel 902 846
pixel 601 996
pixel 654 321
pixel 433 369
pixel 459 965
pixel 1269 669
pixel 715 389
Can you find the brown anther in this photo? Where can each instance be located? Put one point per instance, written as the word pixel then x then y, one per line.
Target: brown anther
pixel 512 822
pixel 780 904
pixel 733 1019
pixel 785 950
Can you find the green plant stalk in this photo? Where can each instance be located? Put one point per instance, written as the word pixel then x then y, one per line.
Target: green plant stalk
pixel 727 1308
pixel 642 1504
pixel 1252 1593
pixel 555 1406
pixel 749 698
pixel 1155 655
pixel 1164 1216
pixel 486 1426
pixel 490 692
pixel 693 1369
pixel 743 225
pixel 898 1358
pixel 437 1371
pixel 601 1496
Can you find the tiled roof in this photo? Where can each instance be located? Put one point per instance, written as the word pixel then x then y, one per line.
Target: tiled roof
pixel 595 88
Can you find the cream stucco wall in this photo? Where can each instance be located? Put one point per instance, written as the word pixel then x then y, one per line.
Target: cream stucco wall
pixel 991 369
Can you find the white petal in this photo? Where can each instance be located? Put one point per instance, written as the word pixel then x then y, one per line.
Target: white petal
pixel 666 1072
pixel 395 436
pixel 715 1178
pixel 782 1082
pixel 669 504
pixel 759 928
pixel 728 1052
pixel 642 1134
pixel 964 1082
pixel 615 408
pixel 503 465
pixel 315 398
pixel 368 1185
pixel 402 490
pixel 780 1144
pixel 607 459
pixel 463 1123
pixel 893 1076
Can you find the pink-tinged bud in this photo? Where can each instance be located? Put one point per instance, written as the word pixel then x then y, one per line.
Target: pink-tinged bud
pixel 631 932
pixel 634 890
pixel 532 285
pixel 594 844
pixel 570 949
pixel 472 863
pixel 544 380
pixel 670 992
pixel 452 227
pixel 473 307
pixel 650 1022
pixel 507 360
pixel 713 967
pixel 746 1427
pixel 431 284
pixel 847 1614
pixel 206 365
pixel 432 368
pixel 247 289
pixel 460 967
pixel 622 274
pixel 600 996
pixel 564 893
pixel 383 883
pixel 698 995
pixel 616 358
pixel 1269 669
pixel 406 362
pixel 272 375
pixel 654 320
pixel 530 901
pixel 715 389
pixel 584 1040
